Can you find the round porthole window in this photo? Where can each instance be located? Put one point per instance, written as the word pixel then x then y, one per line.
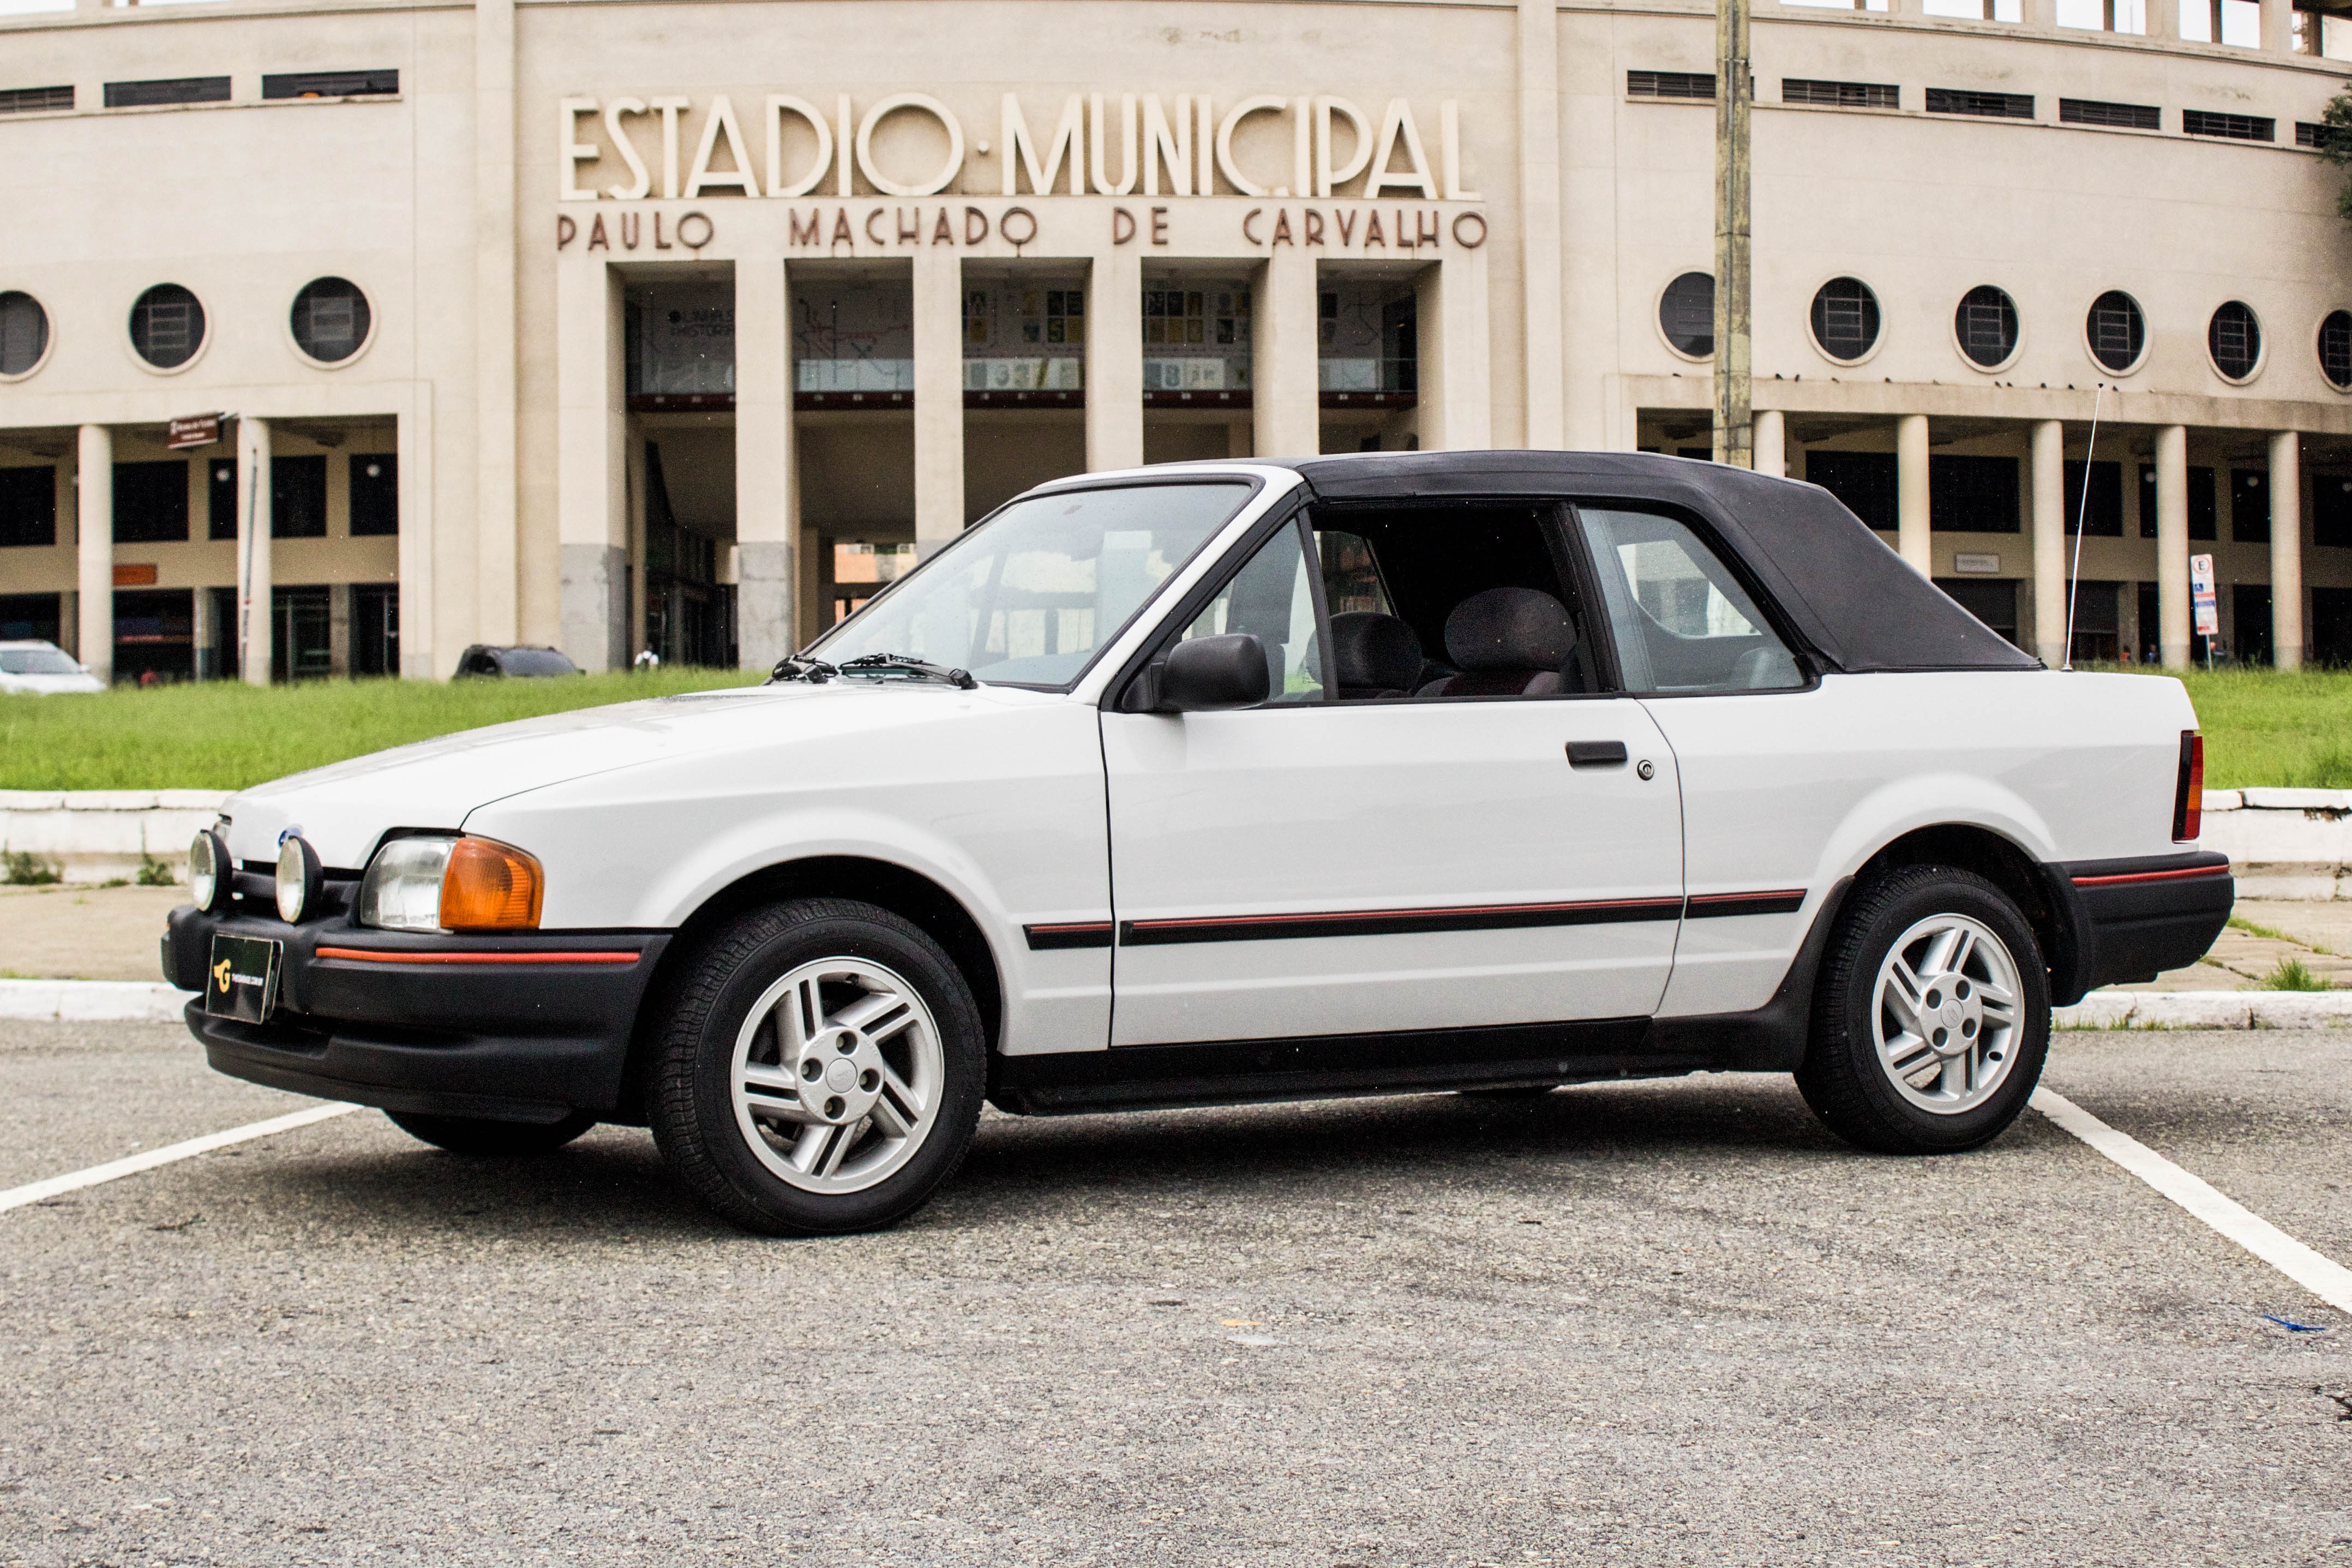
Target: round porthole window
pixel 331 320
pixel 1846 320
pixel 2234 339
pixel 2115 330
pixel 24 334
pixel 1687 315
pixel 2335 350
pixel 167 326
pixel 1986 327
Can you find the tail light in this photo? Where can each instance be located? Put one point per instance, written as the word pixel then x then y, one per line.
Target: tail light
pixel 2189 790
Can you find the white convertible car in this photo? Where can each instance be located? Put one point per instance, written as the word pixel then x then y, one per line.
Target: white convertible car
pixel 1359 775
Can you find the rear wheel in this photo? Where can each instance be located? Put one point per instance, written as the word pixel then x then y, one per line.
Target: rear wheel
pixel 820 1070
pixel 495 1140
pixel 1932 1015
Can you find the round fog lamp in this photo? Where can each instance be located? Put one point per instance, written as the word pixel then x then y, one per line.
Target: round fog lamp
pixel 210 873
pixel 299 879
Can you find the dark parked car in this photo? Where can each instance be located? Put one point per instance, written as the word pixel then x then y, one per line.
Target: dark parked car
pixel 484 660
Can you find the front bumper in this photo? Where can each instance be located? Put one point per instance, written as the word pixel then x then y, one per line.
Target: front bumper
pixel 528 1028
pixel 2135 918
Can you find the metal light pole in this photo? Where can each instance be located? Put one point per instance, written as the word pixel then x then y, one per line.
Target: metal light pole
pixel 1734 440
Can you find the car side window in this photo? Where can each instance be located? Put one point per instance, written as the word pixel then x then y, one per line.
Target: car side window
pixel 1681 623
pixel 1272 598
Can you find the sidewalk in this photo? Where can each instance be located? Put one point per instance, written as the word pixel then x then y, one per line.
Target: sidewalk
pixel 84 933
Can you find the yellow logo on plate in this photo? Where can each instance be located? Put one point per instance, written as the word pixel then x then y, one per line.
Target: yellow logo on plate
pixel 220 974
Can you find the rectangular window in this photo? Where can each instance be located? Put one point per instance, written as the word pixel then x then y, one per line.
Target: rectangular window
pixel 26 616
pixel 2331 510
pixel 1841 94
pixel 1864 481
pixel 1992 600
pixel 2230 127
pixel 2114 116
pixel 2104 15
pixel 376 629
pixel 331 84
pixel 2250 505
pixel 1976 10
pixel 170 89
pixel 2202 514
pixel 298 497
pixel 1972 495
pixel 29 506
pixel 1986 105
pixel 36 99
pixel 151 502
pixel 2103 517
pixel 1696 85
pixel 220 499
pixel 375 494
pixel 302 647
pixel 2307 134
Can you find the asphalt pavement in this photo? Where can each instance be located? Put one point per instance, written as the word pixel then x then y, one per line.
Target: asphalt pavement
pixel 1624 1323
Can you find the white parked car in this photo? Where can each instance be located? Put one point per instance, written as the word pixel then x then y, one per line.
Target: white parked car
pixel 1238 781
pixel 32 668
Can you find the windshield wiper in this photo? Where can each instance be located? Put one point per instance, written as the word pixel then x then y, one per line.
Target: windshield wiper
pixel 816 671
pixel 881 663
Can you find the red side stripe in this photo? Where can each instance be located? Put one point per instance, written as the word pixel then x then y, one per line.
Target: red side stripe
pixel 2152 875
pixel 376 956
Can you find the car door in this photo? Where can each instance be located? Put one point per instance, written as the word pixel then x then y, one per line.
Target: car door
pixel 1315 866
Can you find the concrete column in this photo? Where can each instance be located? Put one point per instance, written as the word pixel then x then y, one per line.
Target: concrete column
pixel 634 606
pixel 591 477
pixel 2172 547
pixel 257 626
pixel 203 636
pixel 1771 436
pixel 1911 493
pixel 413 441
pixel 2048 468
pixel 1542 333
pixel 938 399
pixel 2288 640
pixel 1286 404
pixel 1456 397
pixel 496 491
pixel 766 508
pixel 339 630
pixel 1115 361
pixel 94 548
pixel 2278 26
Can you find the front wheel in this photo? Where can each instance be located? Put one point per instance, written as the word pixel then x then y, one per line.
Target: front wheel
pixel 1932 1017
pixel 820 1069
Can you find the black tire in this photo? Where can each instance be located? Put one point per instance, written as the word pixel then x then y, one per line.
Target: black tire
pixel 1844 1080
pixel 692 1105
pixel 485 1139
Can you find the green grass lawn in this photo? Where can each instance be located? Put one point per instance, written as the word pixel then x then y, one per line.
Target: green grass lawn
pixel 225 736
pixel 2261 727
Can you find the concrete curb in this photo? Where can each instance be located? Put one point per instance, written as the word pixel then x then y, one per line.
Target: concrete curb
pixel 2209 1010
pixel 93 1001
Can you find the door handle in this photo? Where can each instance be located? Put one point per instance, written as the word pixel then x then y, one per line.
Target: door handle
pixel 1596 753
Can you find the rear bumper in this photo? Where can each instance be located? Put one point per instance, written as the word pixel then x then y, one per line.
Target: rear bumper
pixel 2135 918
pixel 522 1027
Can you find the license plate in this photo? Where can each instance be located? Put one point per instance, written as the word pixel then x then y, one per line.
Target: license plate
pixel 241 982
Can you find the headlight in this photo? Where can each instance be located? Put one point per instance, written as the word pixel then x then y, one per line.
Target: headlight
pixel 299 879
pixel 210 874
pixel 451 884
pixel 402 889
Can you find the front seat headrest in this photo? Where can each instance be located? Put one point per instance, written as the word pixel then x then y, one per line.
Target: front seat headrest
pixel 1510 629
pixel 1374 652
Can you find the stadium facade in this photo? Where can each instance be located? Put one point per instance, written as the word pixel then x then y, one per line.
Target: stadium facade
pixel 681 324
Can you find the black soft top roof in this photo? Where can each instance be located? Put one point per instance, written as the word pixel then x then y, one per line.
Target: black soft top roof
pixel 1856 601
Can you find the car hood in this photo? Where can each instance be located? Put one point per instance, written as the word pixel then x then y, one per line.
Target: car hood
pixel 47 685
pixel 345 808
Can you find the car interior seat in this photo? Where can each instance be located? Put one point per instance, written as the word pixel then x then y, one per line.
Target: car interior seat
pixel 1373 656
pixel 1511 642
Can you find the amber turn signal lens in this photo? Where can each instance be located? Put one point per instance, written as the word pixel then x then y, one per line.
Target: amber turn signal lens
pixel 491 886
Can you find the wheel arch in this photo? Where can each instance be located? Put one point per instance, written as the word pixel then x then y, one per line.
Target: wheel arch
pixel 2000 860
pixel 932 909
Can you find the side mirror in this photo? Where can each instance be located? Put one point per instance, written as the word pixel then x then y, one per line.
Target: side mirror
pixel 1210 675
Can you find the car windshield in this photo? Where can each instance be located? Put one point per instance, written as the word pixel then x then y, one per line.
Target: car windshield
pixel 36 662
pixel 1032 595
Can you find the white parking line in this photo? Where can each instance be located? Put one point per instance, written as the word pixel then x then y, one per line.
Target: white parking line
pixel 2323 1277
pixel 34 1192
